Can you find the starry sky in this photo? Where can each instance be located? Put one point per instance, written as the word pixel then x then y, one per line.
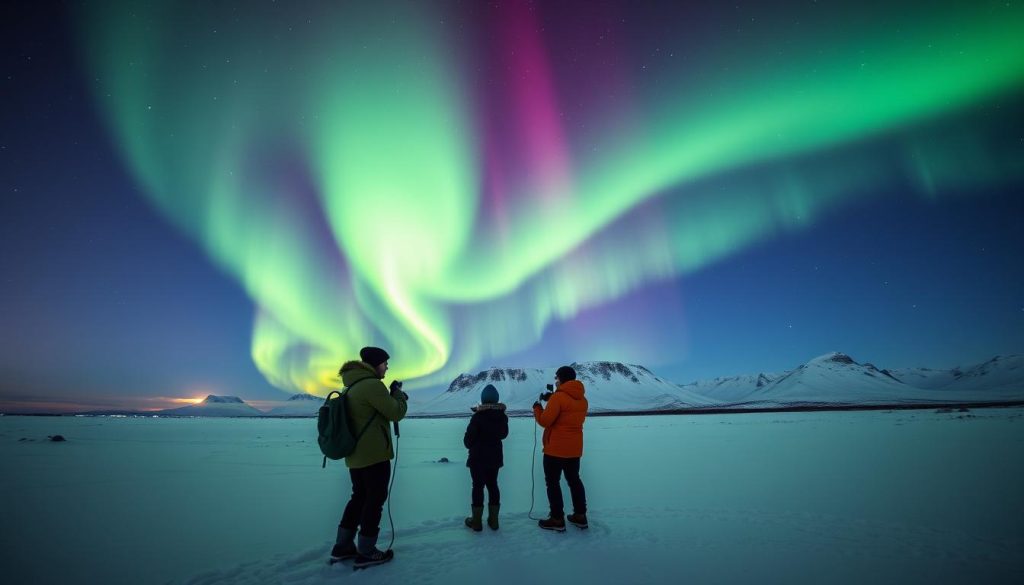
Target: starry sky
pixel 234 197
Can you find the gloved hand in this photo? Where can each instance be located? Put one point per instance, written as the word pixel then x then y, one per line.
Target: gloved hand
pixel 536 404
pixel 396 390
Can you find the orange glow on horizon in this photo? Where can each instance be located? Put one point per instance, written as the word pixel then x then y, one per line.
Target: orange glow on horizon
pixel 188 400
pixel 141 404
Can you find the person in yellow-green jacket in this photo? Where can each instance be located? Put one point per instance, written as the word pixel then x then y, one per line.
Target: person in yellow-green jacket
pixel 369 403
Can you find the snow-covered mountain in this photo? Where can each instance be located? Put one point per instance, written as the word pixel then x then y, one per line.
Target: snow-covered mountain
pixel 837 379
pixel 925 378
pixel 1001 374
pixel 298 405
pixel 610 387
pixel 732 389
pixel 214 406
pixel 833 379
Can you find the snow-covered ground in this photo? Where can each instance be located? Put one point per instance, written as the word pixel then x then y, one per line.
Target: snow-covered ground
pixel 822 497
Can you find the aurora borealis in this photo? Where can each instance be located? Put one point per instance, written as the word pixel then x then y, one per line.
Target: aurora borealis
pixel 465 183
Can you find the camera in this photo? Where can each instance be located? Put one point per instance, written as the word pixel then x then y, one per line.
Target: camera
pixel 547 395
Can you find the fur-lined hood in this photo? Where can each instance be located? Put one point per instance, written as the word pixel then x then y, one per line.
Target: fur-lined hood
pixel 355 371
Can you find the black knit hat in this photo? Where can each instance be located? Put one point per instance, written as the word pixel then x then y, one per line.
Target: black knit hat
pixel 565 373
pixel 374 356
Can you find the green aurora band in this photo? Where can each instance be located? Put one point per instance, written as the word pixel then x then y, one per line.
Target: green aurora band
pixel 335 171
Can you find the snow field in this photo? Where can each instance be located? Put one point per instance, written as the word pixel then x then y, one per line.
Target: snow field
pixel 850 497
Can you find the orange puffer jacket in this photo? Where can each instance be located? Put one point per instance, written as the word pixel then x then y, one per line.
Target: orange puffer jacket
pixel 563 420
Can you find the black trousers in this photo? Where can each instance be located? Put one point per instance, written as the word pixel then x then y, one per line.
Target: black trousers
pixel 488 477
pixel 369 492
pixel 553 469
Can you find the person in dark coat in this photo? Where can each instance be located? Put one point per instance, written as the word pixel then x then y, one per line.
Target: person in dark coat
pixel 484 434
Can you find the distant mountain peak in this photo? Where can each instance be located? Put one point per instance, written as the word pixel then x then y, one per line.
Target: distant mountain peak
pixel 610 387
pixel 212 398
pixel 214 405
pixel 1001 362
pixel 298 397
pixel 605 370
pixel 492 374
pixel 586 371
pixel 834 357
pixel 1013 360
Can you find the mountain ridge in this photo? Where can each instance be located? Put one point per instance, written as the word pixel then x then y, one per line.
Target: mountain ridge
pixel 831 379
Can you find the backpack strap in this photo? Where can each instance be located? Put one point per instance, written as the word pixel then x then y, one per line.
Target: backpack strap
pixel 363 432
pixel 347 388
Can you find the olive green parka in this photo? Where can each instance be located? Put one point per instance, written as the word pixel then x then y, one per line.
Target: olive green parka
pixel 367 395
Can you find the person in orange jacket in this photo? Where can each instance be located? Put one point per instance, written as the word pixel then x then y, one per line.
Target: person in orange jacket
pixel 563 447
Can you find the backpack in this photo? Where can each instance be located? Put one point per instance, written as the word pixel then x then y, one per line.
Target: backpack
pixel 334 429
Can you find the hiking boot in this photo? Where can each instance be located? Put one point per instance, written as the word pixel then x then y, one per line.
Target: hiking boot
pixel 476 520
pixel 578 520
pixel 344 551
pixel 492 516
pixel 377 557
pixel 369 555
pixel 344 545
pixel 556 524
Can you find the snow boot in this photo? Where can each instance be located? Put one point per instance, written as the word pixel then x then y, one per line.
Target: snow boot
pixel 344 546
pixel 492 516
pixel 369 555
pixel 578 520
pixel 476 520
pixel 552 523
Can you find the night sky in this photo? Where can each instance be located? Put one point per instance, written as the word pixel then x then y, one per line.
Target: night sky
pixel 234 197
